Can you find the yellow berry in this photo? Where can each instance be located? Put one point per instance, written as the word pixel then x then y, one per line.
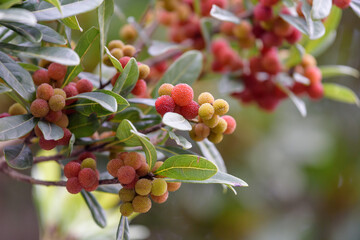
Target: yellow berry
pixel 215 137
pixel 212 122
pixel 126 209
pixel 220 127
pixel 115 44
pixel 126 195
pixel 117 53
pixel 206 111
pixel 17 109
pixel 159 187
pixel 165 89
pixel 205 97
pixel 221 107
pixel 141 204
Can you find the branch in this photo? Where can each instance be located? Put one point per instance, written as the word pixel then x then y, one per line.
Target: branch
pixel 152 129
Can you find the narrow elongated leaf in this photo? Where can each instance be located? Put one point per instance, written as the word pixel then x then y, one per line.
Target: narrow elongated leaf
pixel 180 140
pixel 68 10
pixel 127 79
pixel 83 46
pixel 211 153
pixel 16 126
pixel 125 135
pixel 28 66
pixel 65 56
pixel 315 28
pixel 223 15
pixel 157 47
pixel 16 77
pixel 97 212
pixel 148 148
pixel 321 9
pixel 300 105
pixel 106 101
pixel 187 167
pixel 18 156
pixel 170 151
pixel 56 3
pixel 17 15
pixel 83 126
pixel 123 229
pixel 8 3
pixel 51 131
pixel 176 121
pixel 338 70
pixel 72 22
pixel 132 114
pixel 340 93
pixel 50 35
pixel 4 89
pixel 28 32
pixel 355 5
pixel 146 101
pixel 186 69
pixel 207 27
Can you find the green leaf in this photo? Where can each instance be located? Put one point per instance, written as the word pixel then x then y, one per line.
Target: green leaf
pixel 106 101
pixel 28 32
pixel 132 114
pixel 180 140
pixel 296 54
pixel 56 3
pixel 18 156
pixel 338 70
pixel 125 135
pixel 114 61
pixel 355 5
pixel 97 212
pixel 146 101
pixel 72 22
pixel 83 126
pixel 170 151
pixel 68 10
pixel 186 69
pixel 51 131
pixel 70 147
pixel 123 229
pixel 50 35
pixel 207 27
pixel 223 15
pixel 85 42
pixel 65 56
pixel 17 15
pixel 176 121
pixel 17 126
pixel 321 8
pixel 148 148
pixel 340 93
pixel 211 153
pixel 29 67
pixel 187 167
pixel 157 47
pixel 16 77
pixel 9 3
pixel 4 89
pixel 127 79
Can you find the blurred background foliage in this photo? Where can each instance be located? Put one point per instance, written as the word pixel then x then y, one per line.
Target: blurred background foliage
pixel 303 173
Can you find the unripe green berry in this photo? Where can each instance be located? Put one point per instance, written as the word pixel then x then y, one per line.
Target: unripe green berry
pixel 159 187
pixel 212 122
pixel 215 137
pixel 220 127
pixel 143 186
pixel 221 107
pixel 206 111
pixel 165 89
pixel 141 204
pixel 205 97
pixel 57 103
pixel 88 163
pixel 17 109
pixel 126 209
pixel 126 195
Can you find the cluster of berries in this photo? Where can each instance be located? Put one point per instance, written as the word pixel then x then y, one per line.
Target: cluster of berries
pixel 225 58
pixel 82 174
pixel 124 53
pixel 138 182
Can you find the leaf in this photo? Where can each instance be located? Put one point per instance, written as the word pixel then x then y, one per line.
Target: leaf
pixel 70 147
pixel 16 77
pixel 211 153
pixel 338 70
pixel 68 10
pixel 125 135
pixel 28 32
pixel 114 61
pixel 61 55
pixel 296 54
pixel 106 101
pixel 180 140
pixel 206 26
pixel 355 5
pixel 82 47
pixel 9 3
pixel 83 126
pixel 186 69
pixel 28 66
pixel 72 22
pixel 51 131
pixel 56 3
pixel 123 229
pixel 17 15
pixel 17 126
pixel 18 156
pixel 340 93
pixel 127 79
pixel 316 28
pixel 97 212
pixel 187 167
pixel 321 9
pixel 157 47
pixel 4 89
pixel 170 151
pixel 148 148
pixel 300 105
pixel 223 15
pixel 146 101
pixel 50 35
pixel 176 121
pixel 132 114
pixel 229 84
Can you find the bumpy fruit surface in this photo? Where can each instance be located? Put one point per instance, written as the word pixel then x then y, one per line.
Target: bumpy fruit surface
pixel 115 44
pixel 53 116
pixel 143 186
pixel 57 102
pixel 56 71
pixel 88 163
pixel 215 137
pixel 73 185
pixel 164 104
pixel 140 88
pixel 220 127
pixel 159 187
pixel 66 138
pixel 206 111
pixel 143 170
pixel 165 89
pixel 128 32
pixel 126 195
pixel 221 107
pixel 160 199
pixel 17 109
pixel 39 108
pixel 212 122
pixel 231 124
pixel 129 50
pixel 141 204
pixel 173 186
pixel 40 76
pixel 205 97
pixel 133 160
pixel 87 177
pixel 126 174
pixel 114 165
pixel 84 155
pixel 70 91
pixel 45 91
pixel 202 130
pixel 63 121
pixel 182 94
pixel 190 111
pixel 72 169
pixel 144 71
pixel 84 85
pixel 47 144
pixel 126 209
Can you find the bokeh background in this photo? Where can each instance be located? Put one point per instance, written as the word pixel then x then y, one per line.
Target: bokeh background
pixel 303 173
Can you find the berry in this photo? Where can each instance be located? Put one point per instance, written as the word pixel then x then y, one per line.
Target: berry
pixel 38 132
pixel 263 13
pixel 47 144
pixel 144 71
pixel 313 74
pixel 342 3
pixel 271 63
pixel 143 170
pixel 126 174
pixel 129 50
pixel 39 108
pixel 141 204
pixel 316 91
pixel 268 3
pixel 202 130
pixel 84 85
pixel 190 111
pixel 17 109
pixel 53 116
pixel 231 124
pixel 70 91
pixel 308 61
pixel 164 104
pixel 57 102
pixel 124 60
pixel 140 88
pixel 156 166
pixel 165 89
pixel 159 187
pixel 220 127
pixel 133 160
pixel 270 39
pixel 221 107
pixel 40 76
pixel 194 136
pixel 205 97
pixel 88 163
pixel 128 32
pixel 173 186
pixel 294 37
pixel 212 122
pixel 143 186
pixel 115 44
pixel 132 184
pixel 215 137
pixel 63 121
pixel 85 155
pixel 182 94
pixel 87 177
pixel 44 91
pixel 117 53
pixel 126 195
pixel 160 199
pixel 126 209
pixel 57 71
pixel 92 187
pixel 72 169
pixel 242 30
pixel 73 185
pixel 114 165
pixel 282 28
pixel 206 111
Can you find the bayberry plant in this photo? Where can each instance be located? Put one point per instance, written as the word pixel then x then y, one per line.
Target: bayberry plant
pixel 136 112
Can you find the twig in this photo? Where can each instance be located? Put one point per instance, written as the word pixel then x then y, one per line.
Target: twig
pixel 152 129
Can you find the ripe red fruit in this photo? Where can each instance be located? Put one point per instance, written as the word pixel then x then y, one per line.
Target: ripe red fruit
pixel 66 138
pixel 182 94
pixel 140 88
pixel 87 177
pixel 114 78
pixel 70 91
pixel 114 165
pixel 271 63
pixel 269 3
pixel 86 155
pixel 190 111
pixel 268 103
pixel 39 108
pixel 282 28
pixel 316 91
pixel 92 187
pixel 72 169
pixel 342 3
pixel 270 39
pixel 227 28
pixel 313 73
pixel 40 76
pixel 47 144
pixel 132 184
pixel 124 61
pixel 53 116
pixel 218 45
pixel 126 174
pixel 231 124
pixel 263 13
pixel 164 104
pixel 57 71
pixel 160 199
pixel 294 37
pixel 133 159
pixel 84 85
pixel 73 185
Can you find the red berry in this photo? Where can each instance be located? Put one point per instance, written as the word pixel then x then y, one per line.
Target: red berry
pixel 182 94
pixel 66 138
pixel 218 45
pixel 40 76
pixel 92 187
pixel 126 174
pixel 269 3
pixel 231 124
pixel 294 36
pixel 263 13
pixel 47 144
pixel 39 108
pixel 53 116
pixel 114 165
pixel 57 71
pixel 70 91
pixel 271 63
pixel 342 3
pixel 44 91
pixel 72 169
pixel 73 185
pixel 84 85
pixel 86 155
pixel 190 111
pixel 87 177
pixel 132 184
pixel 164 104
pixel 140 88
pixel 270 39
pixel 124 60
pixel 313 73
pixel 316 90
